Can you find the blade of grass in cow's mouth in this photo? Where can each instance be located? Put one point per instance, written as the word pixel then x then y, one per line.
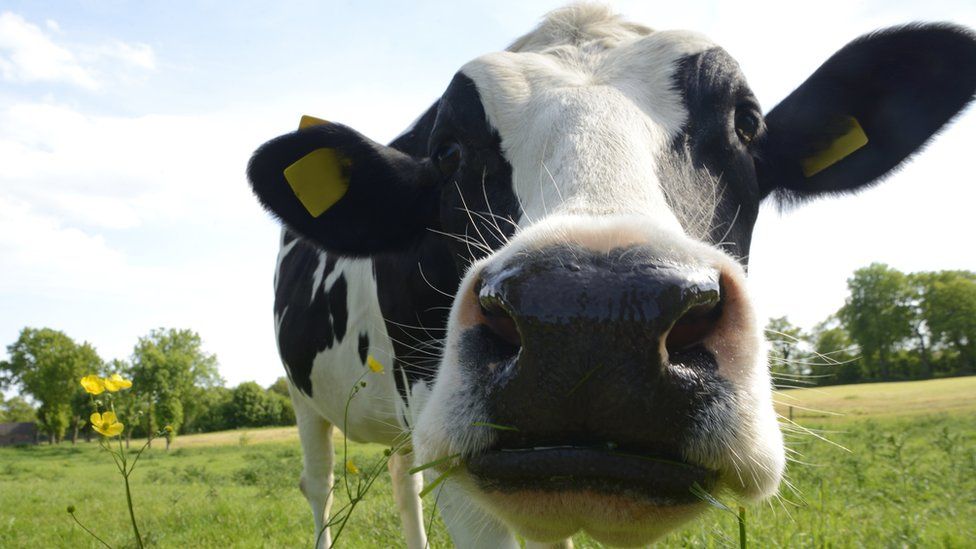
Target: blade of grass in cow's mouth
pixel 656 479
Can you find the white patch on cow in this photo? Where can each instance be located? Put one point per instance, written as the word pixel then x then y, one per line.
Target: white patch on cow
pixel 277 321
pixel 363 267
pixel 317 275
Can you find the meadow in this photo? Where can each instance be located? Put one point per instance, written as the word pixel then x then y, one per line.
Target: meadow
pixel 874 465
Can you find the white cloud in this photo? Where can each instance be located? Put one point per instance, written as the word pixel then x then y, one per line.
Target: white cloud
pixel 135 55
pixel 36 249
pixel 119 172
pixel 28 54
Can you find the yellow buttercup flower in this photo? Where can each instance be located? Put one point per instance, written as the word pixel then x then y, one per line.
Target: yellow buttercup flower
pixel 374 364
pixel 93 385
pixel 351 468
pixel 115 383
pixel 106 424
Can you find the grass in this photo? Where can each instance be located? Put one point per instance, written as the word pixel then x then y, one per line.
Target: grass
pixel 908 480
pixel 843 403
pixel 249 436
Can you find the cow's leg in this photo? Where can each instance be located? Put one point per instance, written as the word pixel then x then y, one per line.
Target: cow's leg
pixel 319 458
pixel 469 525
pixel 406 493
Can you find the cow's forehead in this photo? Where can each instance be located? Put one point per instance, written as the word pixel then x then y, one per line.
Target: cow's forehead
pixel 639 69
pixel 585 124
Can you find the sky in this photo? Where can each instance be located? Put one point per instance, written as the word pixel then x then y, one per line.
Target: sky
pixel 125 129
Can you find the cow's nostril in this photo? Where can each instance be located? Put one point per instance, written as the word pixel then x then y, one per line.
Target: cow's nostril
pixel 499 321
pixel 693 327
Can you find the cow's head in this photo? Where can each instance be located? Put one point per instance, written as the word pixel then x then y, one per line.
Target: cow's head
pixel 598 184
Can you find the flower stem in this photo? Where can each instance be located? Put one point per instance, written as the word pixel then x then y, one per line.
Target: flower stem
pixel 132 514
pixel 742 527
pixel 149 439
pixel 128 496
pixel 90 533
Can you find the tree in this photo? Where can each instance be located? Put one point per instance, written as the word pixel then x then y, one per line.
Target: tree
pixel 835 359
pixel 948 306
pixel 168 365
pixel 252 406
pixel 279 390
pixel 785 341
pixel 47 365
pixel 280 386
pixel 878 314
pixel 216 405
pixel 17 410
pixel 287 415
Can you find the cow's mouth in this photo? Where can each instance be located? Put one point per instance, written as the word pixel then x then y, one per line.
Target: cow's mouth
pixel 649 477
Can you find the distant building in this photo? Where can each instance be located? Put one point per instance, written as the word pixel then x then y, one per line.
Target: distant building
pixel 18 433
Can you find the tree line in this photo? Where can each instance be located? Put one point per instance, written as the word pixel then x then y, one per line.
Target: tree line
pixel 893 326
pixel 174 381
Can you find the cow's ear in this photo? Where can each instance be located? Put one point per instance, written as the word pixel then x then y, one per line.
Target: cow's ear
pixel 867 109
pixel 349 194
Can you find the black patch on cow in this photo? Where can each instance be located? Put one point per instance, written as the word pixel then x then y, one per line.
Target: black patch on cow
pixel 478 203
pixel 287 237
pixel 330 264
pixel 415 286
pixel 308 324
pixel 363 347
pixel 713 89
pixel 338 307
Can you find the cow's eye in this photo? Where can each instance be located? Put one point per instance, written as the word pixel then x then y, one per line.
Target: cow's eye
pixel 747 124
pixel 447 157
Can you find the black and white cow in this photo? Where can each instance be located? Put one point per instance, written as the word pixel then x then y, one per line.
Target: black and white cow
pixel 550 263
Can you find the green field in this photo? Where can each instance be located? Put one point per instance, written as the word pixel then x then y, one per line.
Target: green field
pixel 899 471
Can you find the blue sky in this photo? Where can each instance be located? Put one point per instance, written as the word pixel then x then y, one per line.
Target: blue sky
pixel 125 129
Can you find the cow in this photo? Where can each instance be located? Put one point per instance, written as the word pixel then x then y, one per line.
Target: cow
pixel 550 265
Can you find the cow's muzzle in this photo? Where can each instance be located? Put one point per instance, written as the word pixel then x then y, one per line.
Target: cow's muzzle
pixel 594 371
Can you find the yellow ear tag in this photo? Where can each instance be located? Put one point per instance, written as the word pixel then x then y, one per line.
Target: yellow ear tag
pixel 309 121
pixel 318 179
pixel 842 147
